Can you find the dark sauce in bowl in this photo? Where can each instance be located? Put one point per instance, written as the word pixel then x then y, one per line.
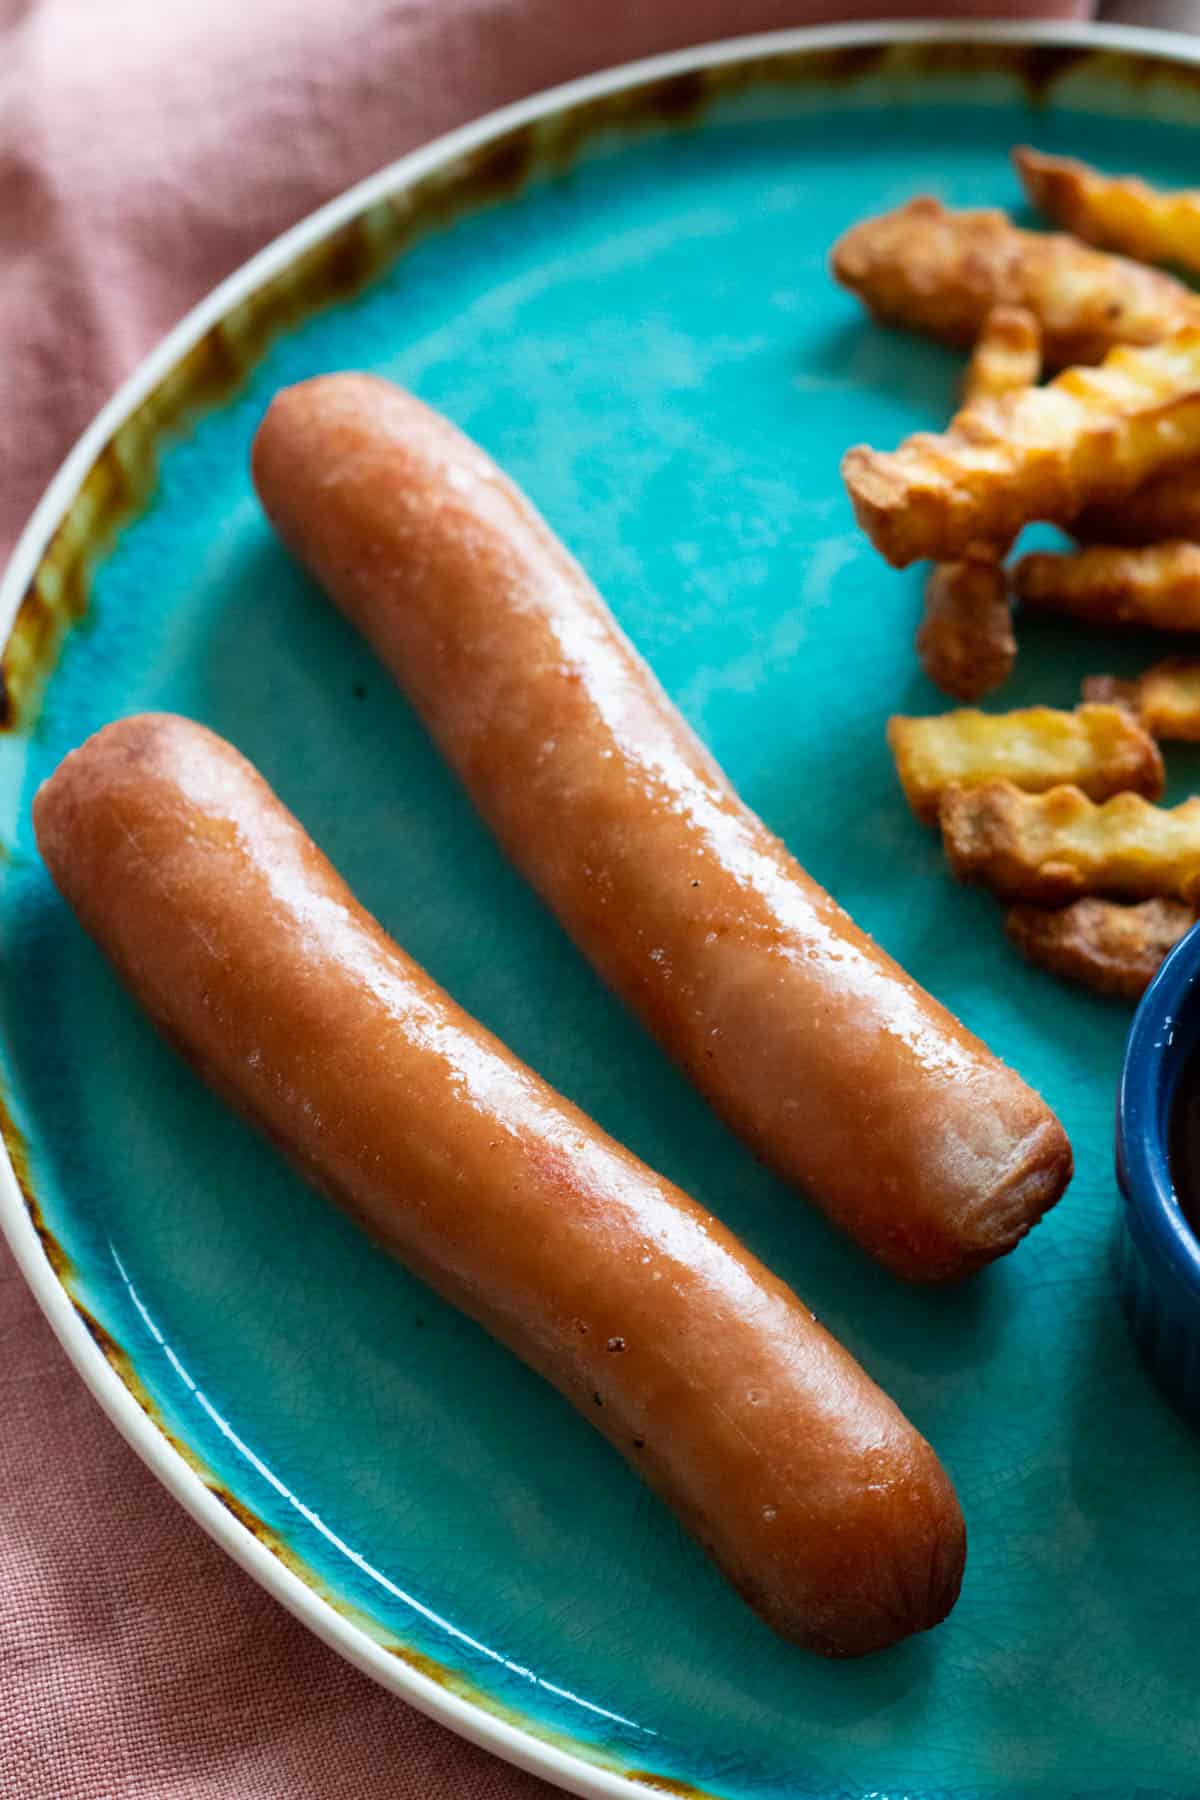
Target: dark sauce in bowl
pixel 1183 1139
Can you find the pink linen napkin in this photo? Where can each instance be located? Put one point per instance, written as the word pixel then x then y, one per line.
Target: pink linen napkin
pixel 146 149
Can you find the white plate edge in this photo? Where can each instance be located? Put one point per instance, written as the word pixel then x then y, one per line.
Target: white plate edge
pixel 523 1748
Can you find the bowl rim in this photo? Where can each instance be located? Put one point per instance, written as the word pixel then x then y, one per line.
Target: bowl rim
pixel 1155 1051
pixel 564 1762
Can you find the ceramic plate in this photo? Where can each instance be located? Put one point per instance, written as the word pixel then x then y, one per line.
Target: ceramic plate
pixel 620 290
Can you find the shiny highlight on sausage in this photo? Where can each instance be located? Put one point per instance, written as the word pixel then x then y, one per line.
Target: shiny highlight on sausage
pixel 839 1071
pixel 816 1498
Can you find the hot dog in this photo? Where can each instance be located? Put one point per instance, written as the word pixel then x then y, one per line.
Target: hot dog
pixel 836 1068
pixel 822 1505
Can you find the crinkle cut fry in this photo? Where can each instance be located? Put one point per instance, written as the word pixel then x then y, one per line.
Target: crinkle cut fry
pixel 1041 453
pixel 1051 848
pixel 1166 507
pixel 965 641
pixel 1116 212
pixel 1113 948
pixel 1102 749
pixel 1007 354
pixel 1165 697
pixel 1157 585
pixel 932 269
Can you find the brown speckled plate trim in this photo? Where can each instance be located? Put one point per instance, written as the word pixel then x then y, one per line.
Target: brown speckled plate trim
pixel 109 476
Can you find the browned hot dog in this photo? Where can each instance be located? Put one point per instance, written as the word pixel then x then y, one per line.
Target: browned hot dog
pixel 837 1069
pixel 817 1499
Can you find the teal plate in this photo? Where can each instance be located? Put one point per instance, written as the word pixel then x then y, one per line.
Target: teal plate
pixel 620 290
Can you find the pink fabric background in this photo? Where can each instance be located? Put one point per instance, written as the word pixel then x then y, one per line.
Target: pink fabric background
pixel 146 149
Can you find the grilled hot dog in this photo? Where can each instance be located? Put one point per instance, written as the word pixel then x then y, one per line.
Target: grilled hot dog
pixel 835 1067
pixel 817 1499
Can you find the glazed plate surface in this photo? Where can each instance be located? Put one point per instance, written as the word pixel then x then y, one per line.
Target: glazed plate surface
pixel 621 292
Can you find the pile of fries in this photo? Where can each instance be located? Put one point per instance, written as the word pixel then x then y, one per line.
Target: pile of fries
pixel 1054 811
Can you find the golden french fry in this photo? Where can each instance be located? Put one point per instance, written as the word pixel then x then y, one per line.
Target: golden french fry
pixel 1007 354
pixel 1051 848
pixel 1102 749
pixel 939 271
pixel 1168 699
pixel 1157 586
pixel 965 640
pixel 1165 697
pixel 1040 453
pixel 1117 212
pixel 1102 944
pixel 1167 507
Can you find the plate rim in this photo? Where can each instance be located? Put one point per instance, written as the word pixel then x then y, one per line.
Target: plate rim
pixel 521 1745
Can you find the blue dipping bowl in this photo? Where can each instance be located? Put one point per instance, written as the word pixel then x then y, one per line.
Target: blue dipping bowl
pixel 1157 1252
